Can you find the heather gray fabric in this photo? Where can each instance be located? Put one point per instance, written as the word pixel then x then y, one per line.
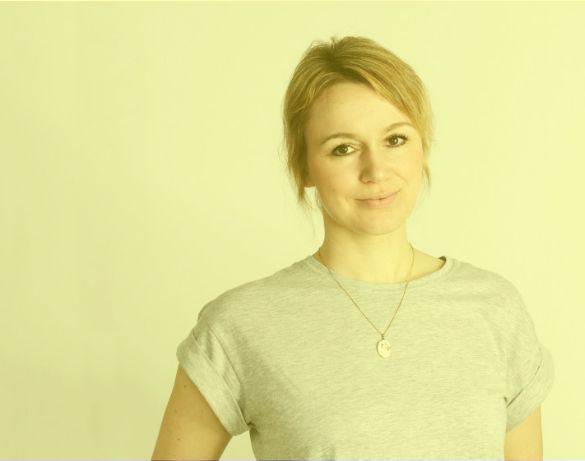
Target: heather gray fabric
pixel 290 358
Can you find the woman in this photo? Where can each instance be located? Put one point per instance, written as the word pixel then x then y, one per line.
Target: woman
pixel 305 359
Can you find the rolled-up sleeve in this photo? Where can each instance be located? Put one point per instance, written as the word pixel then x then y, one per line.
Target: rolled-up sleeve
pixel 530 366
pixel 206 362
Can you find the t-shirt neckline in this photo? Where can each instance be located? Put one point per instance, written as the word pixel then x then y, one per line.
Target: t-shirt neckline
pixel 348 282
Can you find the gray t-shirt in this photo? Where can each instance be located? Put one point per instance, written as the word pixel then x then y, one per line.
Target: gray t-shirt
pixel 290 358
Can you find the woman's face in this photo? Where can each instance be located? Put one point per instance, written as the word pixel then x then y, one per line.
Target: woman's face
pixel 364 161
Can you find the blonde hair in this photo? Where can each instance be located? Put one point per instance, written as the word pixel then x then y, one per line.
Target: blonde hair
pixel 357 60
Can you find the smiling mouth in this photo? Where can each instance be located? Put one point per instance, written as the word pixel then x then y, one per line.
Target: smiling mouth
pixel 380 202
pixel 380 198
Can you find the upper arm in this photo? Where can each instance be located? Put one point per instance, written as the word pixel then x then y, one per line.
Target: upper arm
pixel 525 440
pixel 190 429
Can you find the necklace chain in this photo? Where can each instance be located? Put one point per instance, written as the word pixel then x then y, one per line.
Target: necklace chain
pixel 408 281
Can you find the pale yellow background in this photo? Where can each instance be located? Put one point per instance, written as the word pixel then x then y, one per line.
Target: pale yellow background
pixel 140 178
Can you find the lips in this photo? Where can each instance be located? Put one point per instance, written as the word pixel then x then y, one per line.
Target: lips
pixel 380 202
pixel 379 196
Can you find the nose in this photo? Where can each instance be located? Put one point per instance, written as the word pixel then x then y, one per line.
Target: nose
pixel 375 164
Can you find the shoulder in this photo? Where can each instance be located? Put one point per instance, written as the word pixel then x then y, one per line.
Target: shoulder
pixel 488 290
pixel 486 279
pixel 256 295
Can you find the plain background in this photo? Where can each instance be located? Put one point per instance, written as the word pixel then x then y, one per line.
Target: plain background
pixel 140 178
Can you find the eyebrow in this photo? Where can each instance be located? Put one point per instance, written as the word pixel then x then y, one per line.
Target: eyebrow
pixel 353 136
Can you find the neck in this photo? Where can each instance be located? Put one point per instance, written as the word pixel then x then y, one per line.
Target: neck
pixel 382 264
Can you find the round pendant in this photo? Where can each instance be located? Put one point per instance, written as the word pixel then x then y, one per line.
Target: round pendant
pixel 384 348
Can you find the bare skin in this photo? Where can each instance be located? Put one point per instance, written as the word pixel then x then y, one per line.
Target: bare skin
pixel 424 264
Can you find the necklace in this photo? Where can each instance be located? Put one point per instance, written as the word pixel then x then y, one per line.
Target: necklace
pixel 383 345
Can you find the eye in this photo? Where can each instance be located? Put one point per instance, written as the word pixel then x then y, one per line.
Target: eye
pixel 397 137
pixel 396 140
pixel 341 146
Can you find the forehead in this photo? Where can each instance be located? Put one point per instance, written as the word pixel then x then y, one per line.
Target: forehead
pixel 350 107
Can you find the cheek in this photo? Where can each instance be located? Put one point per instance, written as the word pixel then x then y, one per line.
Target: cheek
pixel 333 186
pixel 416 160
pixel 419 164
